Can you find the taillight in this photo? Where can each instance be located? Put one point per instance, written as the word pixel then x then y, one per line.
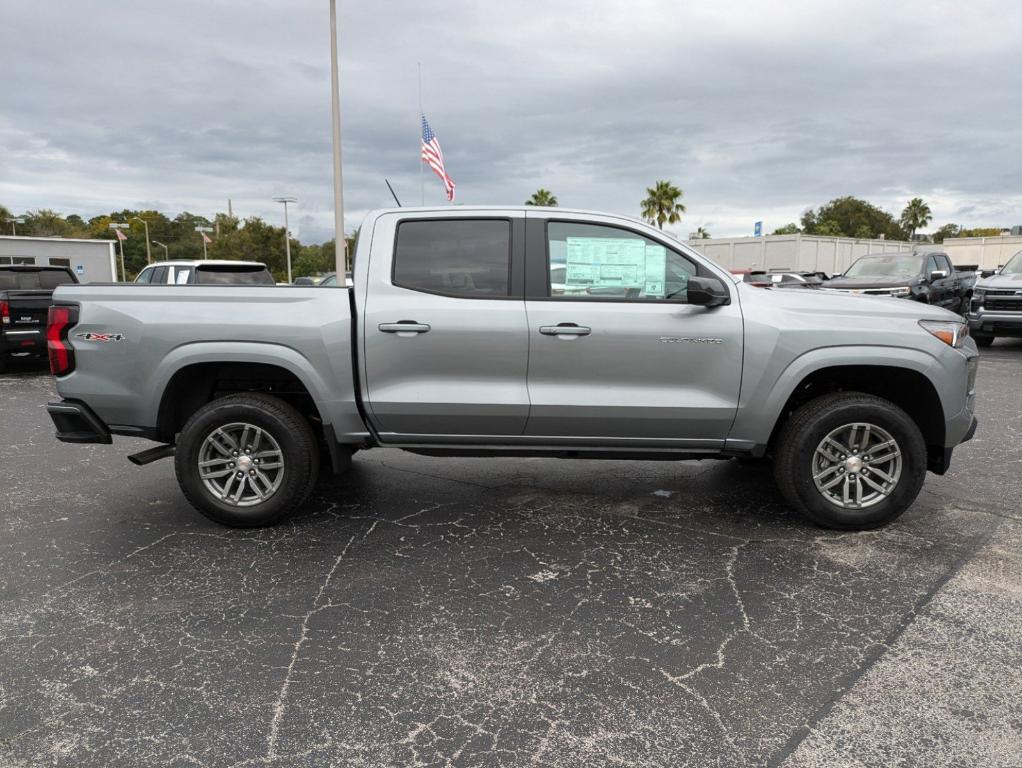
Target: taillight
pixel 5 313
pixel 58 323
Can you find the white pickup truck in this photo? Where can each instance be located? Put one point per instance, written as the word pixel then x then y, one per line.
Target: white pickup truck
pixel 493 331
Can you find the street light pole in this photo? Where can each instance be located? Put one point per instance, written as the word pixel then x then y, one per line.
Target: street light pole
pixel 341 245
pixel 166 250
pixel 287 232
pixel 148 250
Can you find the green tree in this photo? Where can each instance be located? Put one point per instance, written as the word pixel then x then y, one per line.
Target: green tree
pixel 663 204
pixel 851 217
pixel 916 215
pixel 946 231
pixel 543 197
pixel 702 234
pixel 787 229
pixel 980 232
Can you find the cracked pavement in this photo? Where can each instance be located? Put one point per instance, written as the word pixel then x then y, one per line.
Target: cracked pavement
pixel 443 612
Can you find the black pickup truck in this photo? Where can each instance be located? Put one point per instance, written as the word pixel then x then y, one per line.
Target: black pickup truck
pixel 926 276
pixel 25 293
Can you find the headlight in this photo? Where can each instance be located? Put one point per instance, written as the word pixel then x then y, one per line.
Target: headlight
pixel 951 332
pixel 901 291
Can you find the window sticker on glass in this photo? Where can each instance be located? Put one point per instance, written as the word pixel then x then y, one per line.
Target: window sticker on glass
pixel 614 263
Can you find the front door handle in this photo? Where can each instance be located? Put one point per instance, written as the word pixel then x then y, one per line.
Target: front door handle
pixel 565 329
pixel 404 326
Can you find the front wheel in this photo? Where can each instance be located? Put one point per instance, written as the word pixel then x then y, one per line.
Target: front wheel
pixel 850 461
pixel 246 460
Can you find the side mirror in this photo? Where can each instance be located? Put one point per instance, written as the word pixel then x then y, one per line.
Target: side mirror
pixel 938 274
pixel 707 292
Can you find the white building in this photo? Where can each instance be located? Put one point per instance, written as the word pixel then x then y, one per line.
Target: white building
pixel 796 253
pixel 93 261
pixel 988 252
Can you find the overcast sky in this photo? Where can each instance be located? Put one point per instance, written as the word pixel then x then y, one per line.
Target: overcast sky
pixel 756 110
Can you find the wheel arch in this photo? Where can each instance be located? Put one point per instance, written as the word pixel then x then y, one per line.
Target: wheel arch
pixel 192 377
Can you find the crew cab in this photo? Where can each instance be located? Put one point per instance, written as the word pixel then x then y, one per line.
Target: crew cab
pixel 926 276
pixel 25 295
pixel 206 272
pixel 996 308
pixel 517 331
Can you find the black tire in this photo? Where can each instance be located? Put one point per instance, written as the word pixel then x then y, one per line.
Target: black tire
pixel 982 341
pixel 284 425
pixel 806 429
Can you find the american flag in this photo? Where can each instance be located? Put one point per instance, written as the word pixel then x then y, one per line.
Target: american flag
pixel 205 238
pixel 120 235
pixel 433 156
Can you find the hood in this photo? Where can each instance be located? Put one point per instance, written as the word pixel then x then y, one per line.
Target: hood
pixel 838 307
pixel 1004 282
pixel 865 281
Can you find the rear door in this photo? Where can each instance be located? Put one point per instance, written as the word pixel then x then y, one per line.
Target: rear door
pixel 617 355
pixel 444 330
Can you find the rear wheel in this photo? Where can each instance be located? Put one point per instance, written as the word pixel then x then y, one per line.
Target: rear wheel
pixel 982 341
pixel 850 461
pixel 246 460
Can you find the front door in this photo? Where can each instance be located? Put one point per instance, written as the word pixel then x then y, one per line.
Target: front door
pixel 616 354
pixel 446 341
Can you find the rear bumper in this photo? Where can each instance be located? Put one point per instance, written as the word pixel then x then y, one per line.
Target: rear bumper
pixel 23 340
pixel 995 323
pixel 76 423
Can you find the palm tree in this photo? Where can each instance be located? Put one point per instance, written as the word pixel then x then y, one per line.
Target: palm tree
pixel 543 197
pixel 702 234
pixel 916 215
pixel 663 204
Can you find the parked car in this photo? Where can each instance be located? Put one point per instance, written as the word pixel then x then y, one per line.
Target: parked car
pixel 305 280
pixel 330 280
pixel 452 343
pixel 206 272
pixel 25 294
pixel 996 308
pixel 926 276
pixel 781 279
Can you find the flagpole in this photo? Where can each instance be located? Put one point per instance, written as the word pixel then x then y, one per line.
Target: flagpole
pixel 422 178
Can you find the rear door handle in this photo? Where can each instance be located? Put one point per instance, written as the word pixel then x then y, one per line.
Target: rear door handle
pixel 565 329
pixel 404 326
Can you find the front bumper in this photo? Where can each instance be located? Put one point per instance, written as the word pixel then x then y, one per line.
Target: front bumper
pixel 989 323
pixel 76 423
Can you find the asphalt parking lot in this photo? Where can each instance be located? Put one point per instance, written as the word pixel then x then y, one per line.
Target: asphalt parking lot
pixel 506 612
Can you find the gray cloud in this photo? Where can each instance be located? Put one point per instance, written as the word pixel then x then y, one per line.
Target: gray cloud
pixel 756 110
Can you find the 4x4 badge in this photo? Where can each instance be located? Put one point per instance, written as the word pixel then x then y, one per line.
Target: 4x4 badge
pixel 100 336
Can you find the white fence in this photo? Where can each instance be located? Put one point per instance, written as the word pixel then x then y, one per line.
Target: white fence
pixel 988 252
pixel 802 253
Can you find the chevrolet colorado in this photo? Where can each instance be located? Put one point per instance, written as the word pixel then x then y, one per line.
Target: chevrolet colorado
pixel 516 331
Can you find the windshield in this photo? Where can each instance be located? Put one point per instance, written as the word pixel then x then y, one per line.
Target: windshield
pixel 45 280
pixel 1014 265
pixel 887 265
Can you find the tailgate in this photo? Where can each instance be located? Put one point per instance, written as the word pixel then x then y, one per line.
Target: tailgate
pixel 28 309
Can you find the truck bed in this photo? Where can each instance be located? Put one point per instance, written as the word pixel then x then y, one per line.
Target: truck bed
pixel 132 339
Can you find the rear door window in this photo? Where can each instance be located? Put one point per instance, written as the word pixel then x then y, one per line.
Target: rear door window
pixel 465 258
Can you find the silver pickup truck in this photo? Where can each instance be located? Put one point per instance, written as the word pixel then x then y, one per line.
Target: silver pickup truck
pixel 516 331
